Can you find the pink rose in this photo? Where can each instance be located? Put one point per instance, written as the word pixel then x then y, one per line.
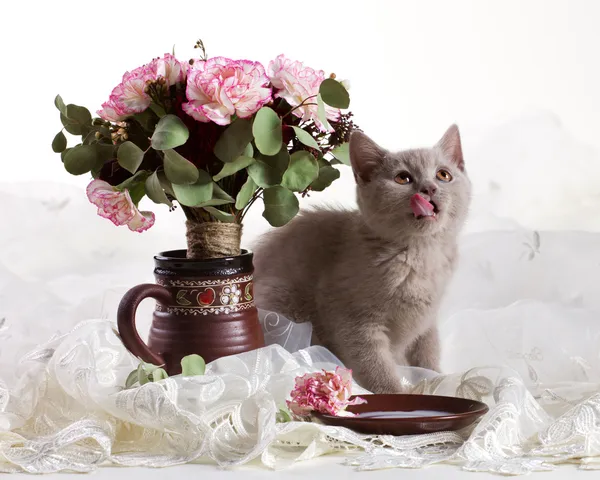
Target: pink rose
pixel 296 83
pixel 130 97
pixel 325 392
pixel 220 87
pixel 118 207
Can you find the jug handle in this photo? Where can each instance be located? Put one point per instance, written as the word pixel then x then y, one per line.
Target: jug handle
pixel 126 319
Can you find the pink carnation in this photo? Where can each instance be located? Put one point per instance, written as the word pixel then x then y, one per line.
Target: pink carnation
pixel 129 97
pixel 220 87
pixel 296 83
pixel 325 392
pixel 118 207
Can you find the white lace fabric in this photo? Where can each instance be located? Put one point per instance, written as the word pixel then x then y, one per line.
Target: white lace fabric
pixel 69 412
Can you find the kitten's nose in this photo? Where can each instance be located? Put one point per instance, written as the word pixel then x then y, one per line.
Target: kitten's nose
pixel 429 189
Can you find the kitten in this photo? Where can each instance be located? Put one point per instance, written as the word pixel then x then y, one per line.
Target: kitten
pixel 371 280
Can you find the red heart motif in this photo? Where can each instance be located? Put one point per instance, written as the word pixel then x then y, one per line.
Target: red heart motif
pixel 207 297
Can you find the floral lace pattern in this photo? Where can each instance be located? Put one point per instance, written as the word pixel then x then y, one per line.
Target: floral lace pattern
pixel 69 413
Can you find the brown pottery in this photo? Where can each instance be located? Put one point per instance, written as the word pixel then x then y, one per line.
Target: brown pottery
pixel 203 306
pixel 432 413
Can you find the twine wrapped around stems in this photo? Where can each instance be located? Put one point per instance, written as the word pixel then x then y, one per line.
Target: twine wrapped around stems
pixel 213 240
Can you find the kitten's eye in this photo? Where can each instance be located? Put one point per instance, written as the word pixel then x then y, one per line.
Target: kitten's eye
pixel 444 175
pixel 403 178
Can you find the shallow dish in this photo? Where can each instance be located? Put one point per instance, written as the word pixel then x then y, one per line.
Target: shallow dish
pixel 408 414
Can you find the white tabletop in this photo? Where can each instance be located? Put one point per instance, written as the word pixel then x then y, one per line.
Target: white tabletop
pixel 330 467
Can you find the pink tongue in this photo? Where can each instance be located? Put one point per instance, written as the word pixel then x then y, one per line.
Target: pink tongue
pixel 420 206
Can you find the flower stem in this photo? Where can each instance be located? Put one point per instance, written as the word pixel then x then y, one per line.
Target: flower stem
pixel 302 103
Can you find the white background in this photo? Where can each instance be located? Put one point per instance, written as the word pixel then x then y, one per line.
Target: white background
pixel 520 77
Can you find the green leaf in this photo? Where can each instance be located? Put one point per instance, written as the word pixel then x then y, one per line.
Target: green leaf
pixel 59 144
pixel 342 153
pixel 164 181
pixel 302 171
pixel 80 115
pixel 63 154
pixel 249 151
pixel 58 103
pixel 131 182
pixel 232 167
pixel 334 94
pixel 283 416
pixel 196 194
pixel 130 156
pixel 178 169
pixel 143 373
pixel 306 138
pixel 267 131
pixel 327 175
pixel 245 193
pixel 170 132
pixel 160 111
pixel 80 159
pixel 281 205
pixel 159 374
pixel 155 191
pixel 132 379
pixel 234 141
pixel 220 215
pixel 146 120
pixel 268 171
pixel 220 196
pixel 71 126
pixel 321 113
pixel 192 365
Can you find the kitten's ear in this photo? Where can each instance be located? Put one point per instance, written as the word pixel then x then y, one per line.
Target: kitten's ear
pixel 365 155
pixel 451 146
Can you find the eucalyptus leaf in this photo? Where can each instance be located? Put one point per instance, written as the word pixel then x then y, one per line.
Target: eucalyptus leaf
pixel 142 375
pixel 234 141
pixel 80 159
pixel 342 153
pixel 220 215
pixel 192 365
pixel 268 171
pixel 334 94
pixel 130 156
pixel 267 131
pixel 159 374
pixel 71 126
pixel 283 416
pixel 160 111
pixel 197 193
pixel 170 132
pixel 301 172
pixel 178 169
pixel 59 144
pixel 58 103
pixel 80 115
pixel 131 182
pixel 230 168
pixel 322 116
pixel 281 205
pixel 248 151
pixel 164 182
pixel 155 191
pixel 221 195
pixel 132 379
pixel 306 138
pixel 137 192
pixel 146 119
pixel 327 175
pixel 245 193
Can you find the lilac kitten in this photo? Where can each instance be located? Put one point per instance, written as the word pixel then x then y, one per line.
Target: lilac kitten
pixel 370 281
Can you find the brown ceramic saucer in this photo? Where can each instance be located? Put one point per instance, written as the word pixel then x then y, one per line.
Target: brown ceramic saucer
pixel 408 414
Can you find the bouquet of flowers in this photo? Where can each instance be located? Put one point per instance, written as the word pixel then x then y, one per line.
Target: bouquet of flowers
pixel 212 135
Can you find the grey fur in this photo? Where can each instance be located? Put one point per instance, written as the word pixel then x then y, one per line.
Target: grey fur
pixel 371 280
